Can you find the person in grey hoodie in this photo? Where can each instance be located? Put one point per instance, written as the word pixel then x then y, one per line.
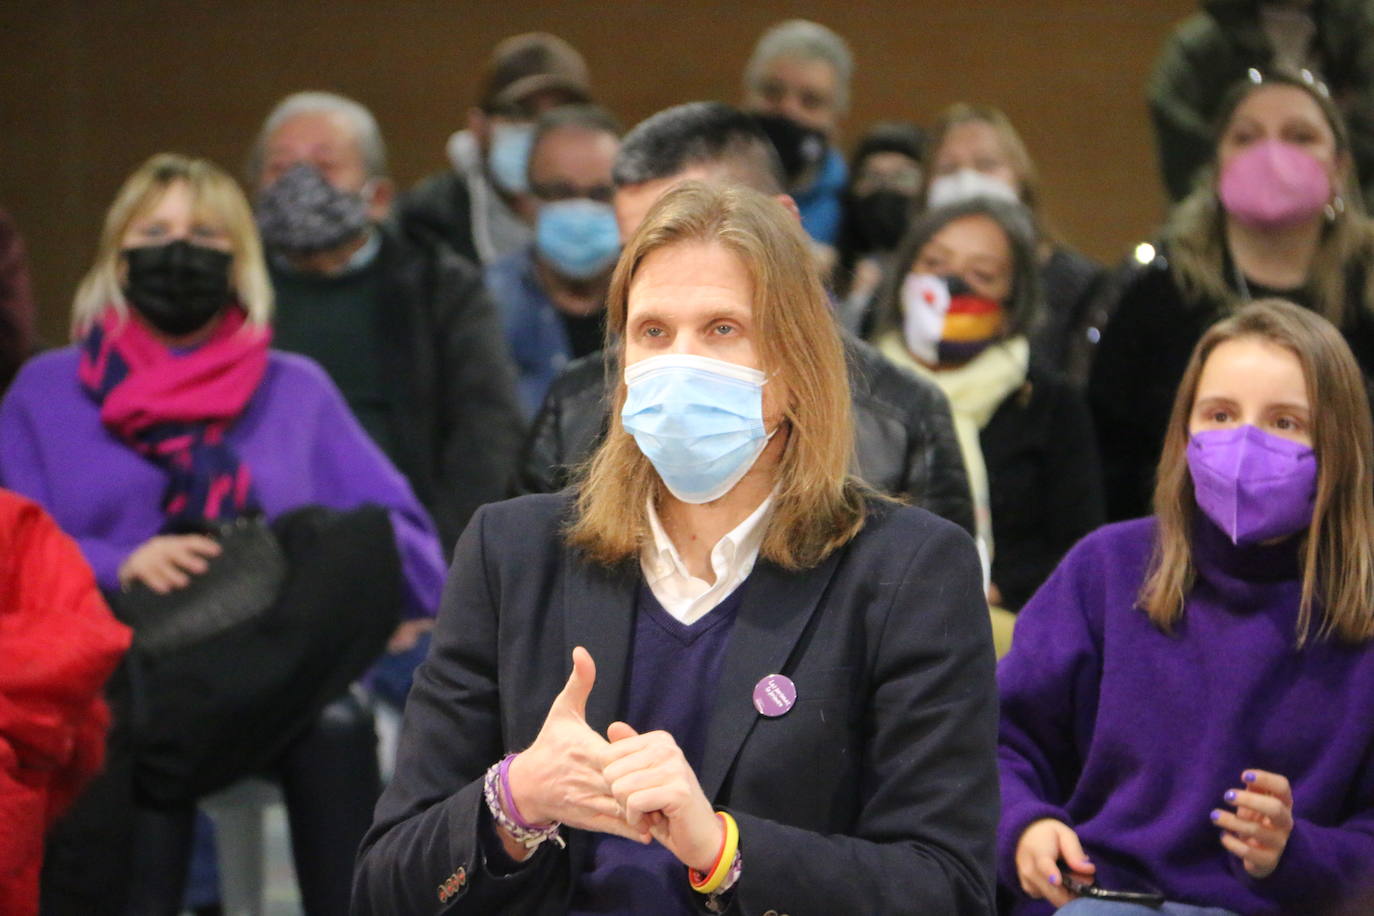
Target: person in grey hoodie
pixel 480 205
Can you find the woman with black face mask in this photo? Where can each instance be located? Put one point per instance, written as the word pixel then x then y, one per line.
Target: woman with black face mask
pixel 165 427
pixel 885 177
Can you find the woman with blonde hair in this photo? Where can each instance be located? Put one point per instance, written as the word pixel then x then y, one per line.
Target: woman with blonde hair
pixel 975 151
pixel 792 707
pixel 1277 214
pixel 168 418
pixel 1188 707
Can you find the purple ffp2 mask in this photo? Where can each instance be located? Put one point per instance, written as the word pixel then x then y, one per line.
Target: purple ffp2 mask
pixel 1253 485
pixel 1273 184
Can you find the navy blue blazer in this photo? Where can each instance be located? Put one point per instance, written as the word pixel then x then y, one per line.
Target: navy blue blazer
pixel 876 793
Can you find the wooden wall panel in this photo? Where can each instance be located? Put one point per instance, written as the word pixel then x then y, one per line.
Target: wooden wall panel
pixel 89 89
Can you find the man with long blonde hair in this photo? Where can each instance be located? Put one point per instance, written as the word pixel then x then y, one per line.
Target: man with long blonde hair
pixel 793 705
pixel 904 434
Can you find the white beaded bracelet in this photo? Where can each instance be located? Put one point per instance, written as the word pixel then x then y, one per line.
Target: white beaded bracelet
pixel 529 837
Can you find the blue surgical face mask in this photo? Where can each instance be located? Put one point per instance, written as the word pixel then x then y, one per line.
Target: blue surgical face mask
pixel 578 238
pixel 508 159
pixel 698 420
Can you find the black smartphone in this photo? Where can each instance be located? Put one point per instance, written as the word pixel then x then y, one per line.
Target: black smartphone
pixel 1074 885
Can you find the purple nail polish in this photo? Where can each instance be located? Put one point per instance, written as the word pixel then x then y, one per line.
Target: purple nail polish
pixel 1216 816
pixel 1054 879
pixel 1230 795
pixel 1248 776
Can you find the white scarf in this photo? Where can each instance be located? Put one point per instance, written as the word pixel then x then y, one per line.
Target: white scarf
pixel 975 390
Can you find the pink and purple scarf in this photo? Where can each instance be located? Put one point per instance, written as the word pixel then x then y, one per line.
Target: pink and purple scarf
pixel 175 408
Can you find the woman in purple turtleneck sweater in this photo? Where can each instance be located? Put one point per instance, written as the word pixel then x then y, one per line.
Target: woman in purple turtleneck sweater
pixel 1189 704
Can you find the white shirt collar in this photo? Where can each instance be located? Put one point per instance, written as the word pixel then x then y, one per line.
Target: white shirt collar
pixel 732 559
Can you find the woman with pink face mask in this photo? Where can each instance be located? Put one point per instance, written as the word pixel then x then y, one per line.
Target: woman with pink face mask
pixel 1278 214
pixel 1187 713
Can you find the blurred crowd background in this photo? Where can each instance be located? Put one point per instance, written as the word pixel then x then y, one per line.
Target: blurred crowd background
pixel 91 89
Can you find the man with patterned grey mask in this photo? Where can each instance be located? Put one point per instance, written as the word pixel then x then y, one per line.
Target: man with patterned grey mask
pixel 481 204
pixel 401 324
pixel 552 293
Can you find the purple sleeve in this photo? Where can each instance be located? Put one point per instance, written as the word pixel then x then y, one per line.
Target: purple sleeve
pixel 349 469
pixel 1321 864
pixel 1048 685
pixel 22 470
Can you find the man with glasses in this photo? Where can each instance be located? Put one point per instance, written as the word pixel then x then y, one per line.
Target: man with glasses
pixel 551 293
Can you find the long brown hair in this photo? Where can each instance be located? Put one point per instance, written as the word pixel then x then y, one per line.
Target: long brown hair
pixel 1338 552
pixel 818 507
pixel 1196 229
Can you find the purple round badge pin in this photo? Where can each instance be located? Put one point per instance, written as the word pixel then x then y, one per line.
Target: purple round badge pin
pixel 774 695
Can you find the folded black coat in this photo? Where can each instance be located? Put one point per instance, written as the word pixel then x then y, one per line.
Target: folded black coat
pixel 225 708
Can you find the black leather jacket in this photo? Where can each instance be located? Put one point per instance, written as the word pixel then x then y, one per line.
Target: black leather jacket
pixel 904 432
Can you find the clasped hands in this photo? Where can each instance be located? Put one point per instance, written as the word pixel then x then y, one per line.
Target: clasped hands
pixel 640 787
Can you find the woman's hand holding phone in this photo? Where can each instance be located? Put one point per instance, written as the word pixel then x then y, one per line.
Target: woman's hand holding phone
pixel 1042 846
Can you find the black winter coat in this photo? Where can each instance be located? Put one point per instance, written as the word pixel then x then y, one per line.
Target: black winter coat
pixel 451 383
pixel 1044 481
pixel 441 206
pixel 1140 361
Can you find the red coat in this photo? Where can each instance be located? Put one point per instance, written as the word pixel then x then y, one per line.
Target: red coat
pixel 58 645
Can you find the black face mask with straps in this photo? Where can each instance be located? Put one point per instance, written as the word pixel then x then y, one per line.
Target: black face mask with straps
pixel 880 219
pixel 178 287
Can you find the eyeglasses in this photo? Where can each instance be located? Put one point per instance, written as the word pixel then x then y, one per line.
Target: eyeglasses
pixel 562 190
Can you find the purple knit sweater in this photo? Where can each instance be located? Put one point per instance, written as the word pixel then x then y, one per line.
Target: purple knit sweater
pixel 1131 736
pixel 296 434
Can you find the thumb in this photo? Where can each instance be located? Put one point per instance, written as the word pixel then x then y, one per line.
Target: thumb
pixel 573 699
pixel 1071 851
pixel 618 731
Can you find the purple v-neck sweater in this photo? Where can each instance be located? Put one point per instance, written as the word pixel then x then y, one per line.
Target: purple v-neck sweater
pixel 296 434
pixel 1132 736
pixel 670 684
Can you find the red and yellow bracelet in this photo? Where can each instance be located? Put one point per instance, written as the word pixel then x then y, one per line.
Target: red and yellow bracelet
pixel 725 858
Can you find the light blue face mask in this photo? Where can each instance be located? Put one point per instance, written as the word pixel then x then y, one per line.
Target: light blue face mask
pixel 508 159
pixel 698 420
pixel 578 238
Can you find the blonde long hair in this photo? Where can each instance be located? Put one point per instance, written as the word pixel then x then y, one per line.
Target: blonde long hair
pixel 214 195
pixel 1014 148
pixel 1196 229
pixel 818 506
pixel 1338 551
